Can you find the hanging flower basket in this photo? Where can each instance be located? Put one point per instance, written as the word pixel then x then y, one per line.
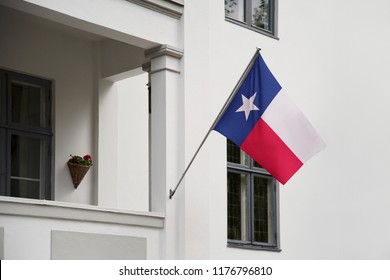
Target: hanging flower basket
pixel 78 167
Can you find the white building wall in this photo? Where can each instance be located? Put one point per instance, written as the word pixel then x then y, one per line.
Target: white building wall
pixel 133 144
pixel 198 21
pixel 332 60
pixel 123 179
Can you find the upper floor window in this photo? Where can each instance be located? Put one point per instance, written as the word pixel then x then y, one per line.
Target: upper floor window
pixel 252 203
pixel 25 136
pixel 259 15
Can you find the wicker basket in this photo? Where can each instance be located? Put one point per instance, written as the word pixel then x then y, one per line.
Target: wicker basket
pixel 77 171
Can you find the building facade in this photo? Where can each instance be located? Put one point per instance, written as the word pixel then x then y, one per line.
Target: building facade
pixel 137 85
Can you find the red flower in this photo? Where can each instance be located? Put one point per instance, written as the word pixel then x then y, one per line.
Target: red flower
pixel 87 157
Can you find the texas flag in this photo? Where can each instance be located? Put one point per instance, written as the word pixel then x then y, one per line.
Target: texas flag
pixel 267 125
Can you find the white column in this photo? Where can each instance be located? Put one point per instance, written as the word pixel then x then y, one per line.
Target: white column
pixel 108 145
pixel 166 121
pixel 166 144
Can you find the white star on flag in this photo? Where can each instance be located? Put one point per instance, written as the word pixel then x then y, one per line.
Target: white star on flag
pixel 247 105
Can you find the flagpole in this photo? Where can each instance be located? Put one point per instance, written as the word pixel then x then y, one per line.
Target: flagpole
pixel 225 106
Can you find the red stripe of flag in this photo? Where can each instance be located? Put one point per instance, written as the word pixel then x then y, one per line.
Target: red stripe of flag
pixel 265 146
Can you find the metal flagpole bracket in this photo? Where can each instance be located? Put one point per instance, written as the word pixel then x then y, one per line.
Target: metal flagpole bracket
pixel 171 193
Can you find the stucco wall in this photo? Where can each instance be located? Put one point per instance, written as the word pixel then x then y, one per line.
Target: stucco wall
pixel 332 60
pixel 133 144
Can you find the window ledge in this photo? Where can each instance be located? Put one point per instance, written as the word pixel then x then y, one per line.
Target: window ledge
pixel 77 212
pixel 253 247
pixel 250 27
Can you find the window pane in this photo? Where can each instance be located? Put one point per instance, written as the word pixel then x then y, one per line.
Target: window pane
pixel 27 166
pixel 263 211
pixel 235 9
pixel 237 206
pixel 25 188
pixel 260 14
pixel 2 98
pixel 236 155
pixel 27 104
pixel 255 164
pixel 2 161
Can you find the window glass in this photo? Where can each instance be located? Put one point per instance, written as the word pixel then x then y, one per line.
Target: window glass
pixel 2 158
pixel 27 104
pixel 27 166
pixel 262 205
pixel 25 188
pixel 3 108
pixel 252 202
pixel 237 206
pixel 235 9
pixel 257 15
pixel 260 14
pixel 25 136
pixel 236 155
pixel 255 164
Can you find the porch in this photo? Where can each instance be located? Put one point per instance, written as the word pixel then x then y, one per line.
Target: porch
pixel 100 69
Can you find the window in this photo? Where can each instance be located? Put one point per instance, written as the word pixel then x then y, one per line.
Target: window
pixel 258 15
pixel 25 136
pixel 252 203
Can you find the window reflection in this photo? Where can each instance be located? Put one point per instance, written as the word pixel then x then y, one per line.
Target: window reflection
pixel 27 166
pixel 27 104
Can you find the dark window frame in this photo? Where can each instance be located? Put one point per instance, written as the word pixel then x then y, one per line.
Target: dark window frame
pixel 9 128
pixel 252 171
pixel 247 23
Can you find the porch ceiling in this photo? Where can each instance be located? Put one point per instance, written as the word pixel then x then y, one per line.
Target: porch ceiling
pixel 45 24
pixel 127 22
